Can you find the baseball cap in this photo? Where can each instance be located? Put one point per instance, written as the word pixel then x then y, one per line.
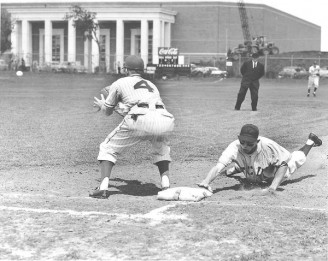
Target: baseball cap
pixel 249 132
pixel 134 62
pixel 255 55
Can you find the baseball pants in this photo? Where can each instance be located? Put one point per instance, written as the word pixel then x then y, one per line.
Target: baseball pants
pixel 297 159
pixel 313 81
pixel 153 127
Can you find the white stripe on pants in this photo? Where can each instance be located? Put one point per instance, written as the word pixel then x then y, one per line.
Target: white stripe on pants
pixel 152 126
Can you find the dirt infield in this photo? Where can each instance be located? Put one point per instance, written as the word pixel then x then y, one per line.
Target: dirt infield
pixel 49 143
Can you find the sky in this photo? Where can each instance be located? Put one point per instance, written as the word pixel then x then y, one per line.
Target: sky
pixel 314 11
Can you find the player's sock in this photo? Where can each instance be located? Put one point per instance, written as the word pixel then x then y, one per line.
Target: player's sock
pixel 104 184
pixel 309 142
pixel 165 182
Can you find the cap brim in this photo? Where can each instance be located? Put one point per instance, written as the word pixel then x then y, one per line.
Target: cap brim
pixel 247 138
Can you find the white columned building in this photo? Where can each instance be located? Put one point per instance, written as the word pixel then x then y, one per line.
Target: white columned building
pixel 41 34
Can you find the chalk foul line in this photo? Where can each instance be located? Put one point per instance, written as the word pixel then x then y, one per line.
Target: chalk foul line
pixel 155 216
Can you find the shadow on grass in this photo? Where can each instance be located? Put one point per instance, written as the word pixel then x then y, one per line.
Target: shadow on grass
pixel 133 187
pixel 292 181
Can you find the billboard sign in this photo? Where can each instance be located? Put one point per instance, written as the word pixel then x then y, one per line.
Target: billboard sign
pixel 168 55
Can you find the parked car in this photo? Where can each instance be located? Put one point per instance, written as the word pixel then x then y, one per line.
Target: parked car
pixel 295 72
pixel 69 67
pixel 64 67
pixel 199 71
pixel 3 65
pixel 76 67
pixel 216 72
pixel 49 67
pixel 324 72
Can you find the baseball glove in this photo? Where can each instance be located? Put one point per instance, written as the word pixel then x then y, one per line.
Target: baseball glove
pixel 120 108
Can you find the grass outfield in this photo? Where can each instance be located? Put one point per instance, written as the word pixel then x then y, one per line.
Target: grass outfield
pixel 49 139
pixel 49 119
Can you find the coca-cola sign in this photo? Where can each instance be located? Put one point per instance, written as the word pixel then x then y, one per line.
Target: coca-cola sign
pixel 165 51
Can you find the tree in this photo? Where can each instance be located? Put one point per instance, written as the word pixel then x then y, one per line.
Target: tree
pixel 6 28
pixel 85 21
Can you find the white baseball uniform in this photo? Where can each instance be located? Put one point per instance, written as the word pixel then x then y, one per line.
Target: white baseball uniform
pixel 314 76
pixel 264 162
pixel 145 118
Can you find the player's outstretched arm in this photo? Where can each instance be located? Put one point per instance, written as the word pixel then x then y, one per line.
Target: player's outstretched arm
pixel 278 178
pixel 212 174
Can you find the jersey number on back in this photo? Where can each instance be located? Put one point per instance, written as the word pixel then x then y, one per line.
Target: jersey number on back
pixel 143 85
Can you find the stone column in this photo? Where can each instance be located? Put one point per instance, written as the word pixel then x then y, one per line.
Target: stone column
pixel 95 50
pixel 48 41
pixel 167 28
pixel 26 42
pixel 156 39
pixel 162 33
pixel 120 42
pixel 144 41
pixel 71 42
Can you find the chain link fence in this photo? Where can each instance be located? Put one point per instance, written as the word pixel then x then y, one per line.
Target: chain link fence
pixel 109 63
pixel 275 64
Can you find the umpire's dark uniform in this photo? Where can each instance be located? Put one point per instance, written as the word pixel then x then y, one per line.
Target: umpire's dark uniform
pixel 251 74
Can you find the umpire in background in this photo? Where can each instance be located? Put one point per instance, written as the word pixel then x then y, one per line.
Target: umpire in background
pixel 251 71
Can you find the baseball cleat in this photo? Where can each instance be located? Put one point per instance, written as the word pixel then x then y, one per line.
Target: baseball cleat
pixel 314 95
pixel 308 95
pixel 101 194
pixel 315 139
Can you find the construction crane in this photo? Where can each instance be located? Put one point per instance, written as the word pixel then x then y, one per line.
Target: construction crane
pixel 257 44
pixel 244 21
